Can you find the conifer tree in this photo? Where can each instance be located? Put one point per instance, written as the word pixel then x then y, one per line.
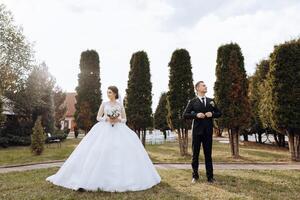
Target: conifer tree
pixel 231 93
pixel 37 137
pixel 139 95
pixel 283 83
pixel 89 97
pixel 181 90
pixel 161 114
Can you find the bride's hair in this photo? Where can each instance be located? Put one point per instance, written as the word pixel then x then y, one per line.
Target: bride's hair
pixel 115 90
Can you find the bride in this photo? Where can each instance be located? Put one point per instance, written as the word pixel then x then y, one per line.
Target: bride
pixel 110 157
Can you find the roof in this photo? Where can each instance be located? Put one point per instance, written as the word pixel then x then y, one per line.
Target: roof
pixel 7 108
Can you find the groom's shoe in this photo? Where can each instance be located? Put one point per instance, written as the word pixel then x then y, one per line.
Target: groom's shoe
pixel 195 176
pixel 195 180
pixel 211 180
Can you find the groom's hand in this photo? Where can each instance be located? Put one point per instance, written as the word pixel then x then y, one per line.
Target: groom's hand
pixel 200 115
pixel 208 114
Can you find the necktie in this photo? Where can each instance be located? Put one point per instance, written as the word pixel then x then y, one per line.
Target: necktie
pixel 203 101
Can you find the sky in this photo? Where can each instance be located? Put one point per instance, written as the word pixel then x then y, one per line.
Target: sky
pixel 61 29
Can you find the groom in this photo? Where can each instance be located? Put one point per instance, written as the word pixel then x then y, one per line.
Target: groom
pixel 202 110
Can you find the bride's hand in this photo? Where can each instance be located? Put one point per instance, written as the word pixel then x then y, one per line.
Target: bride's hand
pixel 114 120
pixel 117 120
pixel 110 120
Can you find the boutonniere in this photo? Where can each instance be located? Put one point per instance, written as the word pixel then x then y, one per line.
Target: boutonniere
pixel 212 103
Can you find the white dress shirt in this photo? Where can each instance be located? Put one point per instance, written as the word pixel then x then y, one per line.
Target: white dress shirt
pixel 200 97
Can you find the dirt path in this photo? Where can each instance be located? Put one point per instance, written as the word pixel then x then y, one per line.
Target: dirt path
pixel 218 166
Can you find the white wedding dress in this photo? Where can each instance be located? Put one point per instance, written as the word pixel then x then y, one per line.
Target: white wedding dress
pixel 109 158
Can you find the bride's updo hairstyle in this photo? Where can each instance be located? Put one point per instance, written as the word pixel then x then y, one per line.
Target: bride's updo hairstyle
pixel 115 90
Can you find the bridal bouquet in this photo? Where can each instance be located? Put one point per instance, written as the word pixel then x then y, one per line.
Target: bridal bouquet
pixel 113 114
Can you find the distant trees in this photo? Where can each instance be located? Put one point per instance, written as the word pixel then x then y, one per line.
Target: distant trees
pixel 60 108
pixel 15 53
pixel 33 98
pixel 38 97
pixel 161 114
pixel 27 87
pixel 256 94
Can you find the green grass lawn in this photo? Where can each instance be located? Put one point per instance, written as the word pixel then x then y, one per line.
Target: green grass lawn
pixel 21 155
pixel 163 153
pixel 237 184
pixel 250 153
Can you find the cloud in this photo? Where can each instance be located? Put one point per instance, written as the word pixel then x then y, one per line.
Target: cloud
pixel 188 13
pixel 256 33
pixel 62 29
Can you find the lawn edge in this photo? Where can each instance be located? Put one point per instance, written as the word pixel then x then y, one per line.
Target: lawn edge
pixel 159 163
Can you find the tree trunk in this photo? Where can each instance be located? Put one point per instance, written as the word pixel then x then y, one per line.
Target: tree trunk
pixel 217 132
pixel 138 132
pixel 294 146
pixel 276 138
pixel 183 141
pixel 297 145
pixel 236 144
pixel 279 139
pixel 144 137
pixel 231 141
pixel 259 134
pixel 165 134
pixel 180 141
pixel 245 137
pixel 234 138
pixel 282 140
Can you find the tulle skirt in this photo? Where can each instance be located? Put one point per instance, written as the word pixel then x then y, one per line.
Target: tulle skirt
pixel 109 159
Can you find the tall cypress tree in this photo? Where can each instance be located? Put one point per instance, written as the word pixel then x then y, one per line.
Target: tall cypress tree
pixel 161 114
pixel 89 97
pixel 260 106
pixel 181 90
pixel 283 82
pixel 138 94
pixel 231 93
pixel 255 96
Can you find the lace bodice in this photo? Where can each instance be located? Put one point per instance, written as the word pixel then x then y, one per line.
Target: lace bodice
pixel 107 107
